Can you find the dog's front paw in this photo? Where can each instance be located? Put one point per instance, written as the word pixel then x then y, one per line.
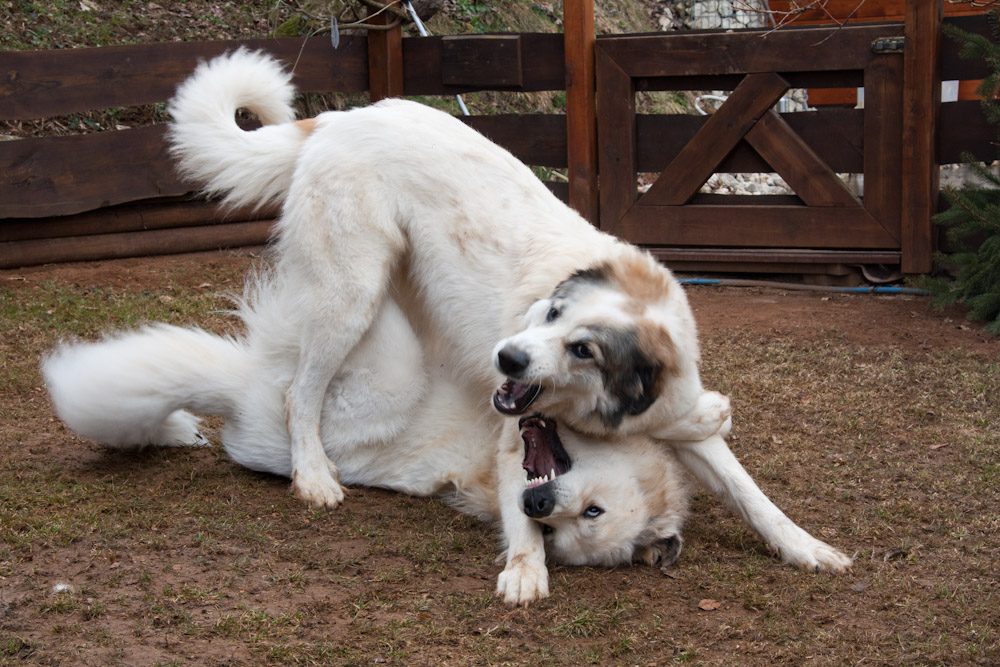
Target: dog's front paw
pixel 710 415
pixel 523 581
pixel 712 412
pixel 317 488
pixel 813 555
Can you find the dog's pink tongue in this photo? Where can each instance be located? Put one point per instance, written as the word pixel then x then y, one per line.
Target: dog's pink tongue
pixel 513 398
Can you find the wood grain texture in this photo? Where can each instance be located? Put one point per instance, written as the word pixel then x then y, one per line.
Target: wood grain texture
pixel 581 108
pixel 133 244
pixel 793 159
pixel 921 99
pixel 63 175
pixel 753 226
pixel 37 84
pixel 385 59
pixel 492 61
pixel 617 132
pixel 717 137
pixel 423 73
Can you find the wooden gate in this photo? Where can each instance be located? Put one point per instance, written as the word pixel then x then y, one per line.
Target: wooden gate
pixel 824 222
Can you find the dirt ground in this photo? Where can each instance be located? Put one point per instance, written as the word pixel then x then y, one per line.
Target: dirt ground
pixel 873 421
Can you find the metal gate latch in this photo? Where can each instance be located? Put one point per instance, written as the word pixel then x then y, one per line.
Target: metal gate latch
pixel 888 45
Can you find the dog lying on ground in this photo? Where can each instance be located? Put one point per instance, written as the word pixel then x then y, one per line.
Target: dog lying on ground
pixel 400 201
pixel 391 418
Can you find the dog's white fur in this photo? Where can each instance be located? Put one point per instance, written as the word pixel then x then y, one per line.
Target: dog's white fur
pixel 401 200
pixel 391 419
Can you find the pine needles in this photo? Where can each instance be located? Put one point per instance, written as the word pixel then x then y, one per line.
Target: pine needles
pixel 973 217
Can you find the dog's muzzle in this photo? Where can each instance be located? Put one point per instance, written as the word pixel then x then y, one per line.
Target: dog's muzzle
pixel 514 396
pixel 545 458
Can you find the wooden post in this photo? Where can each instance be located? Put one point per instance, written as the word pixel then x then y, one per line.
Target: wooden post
pixel 921 102
pixel 581 116
pixel 385 58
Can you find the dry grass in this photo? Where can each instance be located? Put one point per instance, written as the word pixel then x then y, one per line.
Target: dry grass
pixel 882 446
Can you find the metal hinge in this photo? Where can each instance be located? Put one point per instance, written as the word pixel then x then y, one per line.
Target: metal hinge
pixel 888 44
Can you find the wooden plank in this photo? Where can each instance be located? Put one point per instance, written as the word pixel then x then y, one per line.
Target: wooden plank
pixel 131 218
pixel 616 131
pixel 535 139
pixel 963 127
pixel 63 175
pixel 697 161
pixel 482 60
pixel 836 135
pixel 755 51
pixel 753 226
pixel 37 84
pixel 775 256
pixel 543 54
pixel 921 98
pixel 581 108
pixel 15 254
pixel 813 79
pixel 385 58
pixel 883 141
pixel 854 10
pixel 808 176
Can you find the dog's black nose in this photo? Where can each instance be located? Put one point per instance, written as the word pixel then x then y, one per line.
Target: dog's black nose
pixel 538 502
pixel 512 361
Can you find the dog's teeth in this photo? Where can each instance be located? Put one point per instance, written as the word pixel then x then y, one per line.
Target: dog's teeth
pixel 553 474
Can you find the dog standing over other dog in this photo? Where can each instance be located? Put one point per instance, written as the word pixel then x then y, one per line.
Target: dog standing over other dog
pixel 400 200
pixel 393 418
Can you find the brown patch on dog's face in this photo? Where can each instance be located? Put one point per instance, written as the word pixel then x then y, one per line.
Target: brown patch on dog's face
pixel 307 125
pixel 642 278
pixel 634 362
pixel 658 344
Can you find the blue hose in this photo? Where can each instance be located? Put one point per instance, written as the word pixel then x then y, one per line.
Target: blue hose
pixel 872 289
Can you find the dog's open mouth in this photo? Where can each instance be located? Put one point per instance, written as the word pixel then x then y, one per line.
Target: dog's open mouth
pixel 544 455
pixel 513 397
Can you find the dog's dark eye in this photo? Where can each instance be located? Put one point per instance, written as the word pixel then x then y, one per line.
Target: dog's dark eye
pixel 581 351
pixel 593 512
pixel 552 314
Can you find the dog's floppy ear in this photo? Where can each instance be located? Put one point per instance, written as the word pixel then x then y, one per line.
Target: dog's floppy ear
pixel 662 552
pixel 638 363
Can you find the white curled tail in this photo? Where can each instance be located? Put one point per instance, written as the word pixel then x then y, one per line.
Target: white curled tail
pixel 136 388
pixel 246 168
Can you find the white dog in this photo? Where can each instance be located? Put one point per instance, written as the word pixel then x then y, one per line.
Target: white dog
pixel 392 418
pixel 398 199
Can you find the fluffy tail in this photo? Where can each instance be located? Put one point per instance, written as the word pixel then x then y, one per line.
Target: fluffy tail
pixel 135 388
pixel 246 168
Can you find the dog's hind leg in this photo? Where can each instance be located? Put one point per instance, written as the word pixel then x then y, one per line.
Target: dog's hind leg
pixel 338 245
pixel 715 466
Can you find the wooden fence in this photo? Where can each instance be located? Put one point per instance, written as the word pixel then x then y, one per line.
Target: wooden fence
pixel 115 194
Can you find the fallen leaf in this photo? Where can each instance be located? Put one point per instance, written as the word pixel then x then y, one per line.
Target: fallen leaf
pixel 894 554
pixel 858 586
pixel 941 446
pixel 709 605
